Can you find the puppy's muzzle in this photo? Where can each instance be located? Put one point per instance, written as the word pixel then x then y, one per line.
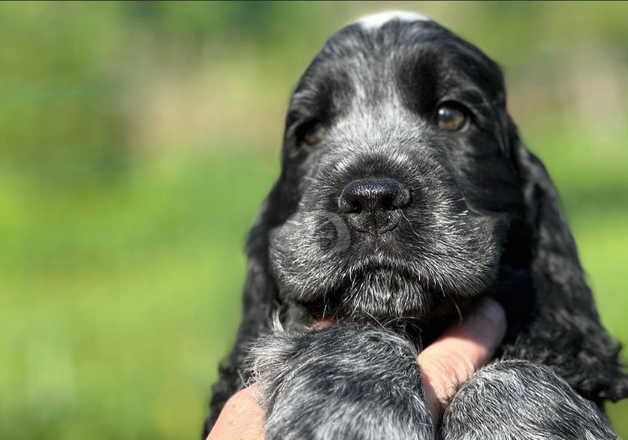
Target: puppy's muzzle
pixel 374 205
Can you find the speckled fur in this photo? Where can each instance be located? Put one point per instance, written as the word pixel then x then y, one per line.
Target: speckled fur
pixel 484 221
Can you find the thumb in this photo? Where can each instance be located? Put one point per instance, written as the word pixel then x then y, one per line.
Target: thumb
pixel 241 418
pixel 459 352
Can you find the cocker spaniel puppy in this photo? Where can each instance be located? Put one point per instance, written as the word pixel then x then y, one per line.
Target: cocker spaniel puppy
pixel 405 193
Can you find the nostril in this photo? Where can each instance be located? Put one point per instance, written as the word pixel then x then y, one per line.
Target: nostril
pixel 402 199
pixel 373 194
pixel 348 203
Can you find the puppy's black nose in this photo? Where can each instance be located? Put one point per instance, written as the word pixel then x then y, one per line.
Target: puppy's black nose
pixel 373 194
pixel 372 202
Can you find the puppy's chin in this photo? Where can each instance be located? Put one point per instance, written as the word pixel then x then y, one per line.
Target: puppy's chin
pixel 383 293
pixel 388 297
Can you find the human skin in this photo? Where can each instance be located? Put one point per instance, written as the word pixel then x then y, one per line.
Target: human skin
pixel 445 364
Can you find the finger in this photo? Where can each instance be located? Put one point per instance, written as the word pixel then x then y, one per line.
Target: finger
pixel 241 418
pixel 459 352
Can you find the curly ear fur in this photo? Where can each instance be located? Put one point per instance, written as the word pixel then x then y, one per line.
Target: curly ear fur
pixel 563 329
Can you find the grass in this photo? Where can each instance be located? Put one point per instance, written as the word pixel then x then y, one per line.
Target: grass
pixel 115 314
pixel 117 304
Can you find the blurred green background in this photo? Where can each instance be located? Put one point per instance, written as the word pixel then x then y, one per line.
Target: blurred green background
pixel 137 141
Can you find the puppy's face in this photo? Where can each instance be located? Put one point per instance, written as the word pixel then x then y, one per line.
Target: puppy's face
pixel 396 172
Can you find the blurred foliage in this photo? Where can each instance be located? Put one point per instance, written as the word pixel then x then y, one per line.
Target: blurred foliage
pixel 138 139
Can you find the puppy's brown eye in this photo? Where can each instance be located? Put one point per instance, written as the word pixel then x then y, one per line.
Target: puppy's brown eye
pixel 313 132
pixel 451 117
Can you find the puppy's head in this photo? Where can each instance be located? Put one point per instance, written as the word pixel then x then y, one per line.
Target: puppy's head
pixel 398 186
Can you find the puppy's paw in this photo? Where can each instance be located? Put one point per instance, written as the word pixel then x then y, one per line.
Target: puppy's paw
pixel 341 382
pixel 513 400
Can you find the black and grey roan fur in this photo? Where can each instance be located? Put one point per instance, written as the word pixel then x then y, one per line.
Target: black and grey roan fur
pixel 391 225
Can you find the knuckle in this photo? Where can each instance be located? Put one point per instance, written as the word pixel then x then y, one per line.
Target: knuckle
pixel 447 372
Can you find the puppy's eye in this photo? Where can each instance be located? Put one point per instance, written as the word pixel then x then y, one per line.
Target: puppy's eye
pixel 311 133
pixel 451 116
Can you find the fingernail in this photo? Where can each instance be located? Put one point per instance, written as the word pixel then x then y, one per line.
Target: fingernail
pixel 320 324
pixel 489 310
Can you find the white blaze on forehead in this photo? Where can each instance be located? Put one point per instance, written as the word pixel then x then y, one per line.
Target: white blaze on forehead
pixel 374 21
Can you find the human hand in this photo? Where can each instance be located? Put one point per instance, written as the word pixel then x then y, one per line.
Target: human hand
pixel 444 364
pixel 241 418
pixel 459 352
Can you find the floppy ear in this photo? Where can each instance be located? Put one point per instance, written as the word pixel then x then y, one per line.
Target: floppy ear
pixel 564 327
